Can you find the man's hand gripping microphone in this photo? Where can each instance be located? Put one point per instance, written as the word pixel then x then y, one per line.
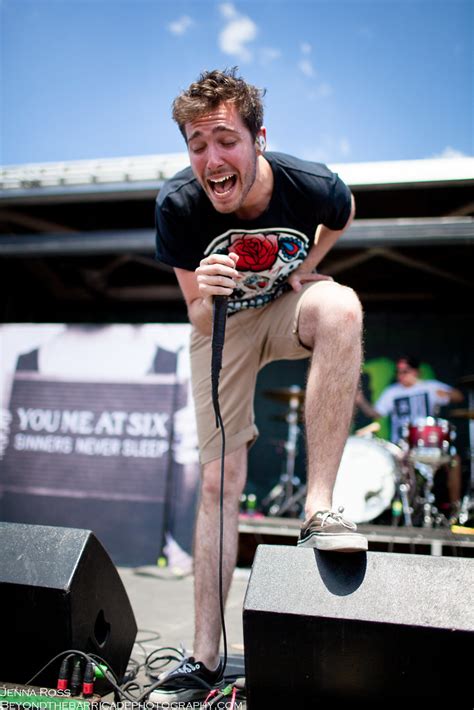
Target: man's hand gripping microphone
pixel 217 343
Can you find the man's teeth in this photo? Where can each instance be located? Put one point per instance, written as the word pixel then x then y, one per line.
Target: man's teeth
pixel 222 185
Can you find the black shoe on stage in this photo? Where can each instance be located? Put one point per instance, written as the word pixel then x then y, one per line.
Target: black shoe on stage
pixel 191 680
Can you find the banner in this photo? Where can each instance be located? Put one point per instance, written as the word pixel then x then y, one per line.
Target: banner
pixel 99 433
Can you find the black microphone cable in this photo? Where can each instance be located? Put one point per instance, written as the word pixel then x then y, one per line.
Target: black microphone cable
pixel 217 346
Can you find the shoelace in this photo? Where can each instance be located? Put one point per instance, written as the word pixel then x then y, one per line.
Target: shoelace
pixel 186 667
pixel 337 517
pixel 183 668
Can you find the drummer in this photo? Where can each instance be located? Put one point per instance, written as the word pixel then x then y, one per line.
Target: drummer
pixel 410 399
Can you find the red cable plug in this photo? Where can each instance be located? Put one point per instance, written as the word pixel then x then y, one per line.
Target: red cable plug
pixel 63 677
pixel 88 680
pixel 211 695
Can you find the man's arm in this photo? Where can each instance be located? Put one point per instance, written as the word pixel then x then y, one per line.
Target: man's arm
pixel 215 276
pixel 455 396
pixel 324 240
pixel 366 407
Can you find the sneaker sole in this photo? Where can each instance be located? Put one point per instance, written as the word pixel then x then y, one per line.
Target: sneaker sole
pixel 335 543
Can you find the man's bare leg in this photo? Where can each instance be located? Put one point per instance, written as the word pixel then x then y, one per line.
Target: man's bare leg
pixel 206 551
pixel 330 323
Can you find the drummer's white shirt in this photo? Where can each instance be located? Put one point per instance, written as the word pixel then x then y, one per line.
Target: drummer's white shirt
pixel 407 404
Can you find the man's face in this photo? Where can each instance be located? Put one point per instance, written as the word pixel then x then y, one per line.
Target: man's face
pixel 223 157
pixel 406 375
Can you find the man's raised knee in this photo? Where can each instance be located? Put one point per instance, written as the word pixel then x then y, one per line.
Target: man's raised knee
pixel 344 303
pixel 329 305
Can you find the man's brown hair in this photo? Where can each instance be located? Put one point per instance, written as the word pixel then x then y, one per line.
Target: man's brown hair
pixel 211 89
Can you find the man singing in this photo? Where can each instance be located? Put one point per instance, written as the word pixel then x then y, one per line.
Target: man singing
pixel 253 226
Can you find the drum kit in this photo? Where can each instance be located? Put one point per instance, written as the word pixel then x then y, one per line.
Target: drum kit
pixel 377 478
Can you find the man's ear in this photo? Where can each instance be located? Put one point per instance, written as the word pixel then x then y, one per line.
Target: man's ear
pixel 261 141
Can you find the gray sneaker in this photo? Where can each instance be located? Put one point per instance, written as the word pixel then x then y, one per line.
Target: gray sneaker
pixel 327 530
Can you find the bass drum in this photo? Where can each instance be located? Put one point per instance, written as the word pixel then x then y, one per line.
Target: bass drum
pixel 367 478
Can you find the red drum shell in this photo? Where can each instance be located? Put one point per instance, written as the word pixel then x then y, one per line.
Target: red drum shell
pixel 429 439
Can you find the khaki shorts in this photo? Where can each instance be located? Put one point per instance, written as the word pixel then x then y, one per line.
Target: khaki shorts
pixel 253 339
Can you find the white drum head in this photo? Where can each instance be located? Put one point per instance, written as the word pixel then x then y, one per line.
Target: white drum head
pixel 365 484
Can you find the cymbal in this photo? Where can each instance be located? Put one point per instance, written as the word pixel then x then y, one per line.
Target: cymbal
pixel 284 394
pixel 369 429
pixel 462 413
pixel 466 380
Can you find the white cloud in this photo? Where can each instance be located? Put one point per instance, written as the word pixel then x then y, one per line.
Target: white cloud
pixel 306 67
pixel 181 25
pixel 228 10
pixel 305 48
pixel 268 55
pixel 237 33
pixel 450 153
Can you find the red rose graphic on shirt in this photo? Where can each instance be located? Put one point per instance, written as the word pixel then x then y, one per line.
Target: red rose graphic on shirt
pixel 257 252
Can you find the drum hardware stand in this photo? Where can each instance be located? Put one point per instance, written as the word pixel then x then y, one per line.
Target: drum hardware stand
pixel 407 484
pixel 431 515
pixel 290 504
pixel 467 506
pixel 466 510
pixel 281 499
pixel 407 510
pixel 276 502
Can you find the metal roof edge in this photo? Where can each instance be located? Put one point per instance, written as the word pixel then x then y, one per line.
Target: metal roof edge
pixel 407 172
pixel 135 172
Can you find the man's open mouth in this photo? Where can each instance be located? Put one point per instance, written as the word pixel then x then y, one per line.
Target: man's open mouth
pixel 222 185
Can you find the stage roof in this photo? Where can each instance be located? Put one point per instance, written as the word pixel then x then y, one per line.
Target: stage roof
pixel 80 236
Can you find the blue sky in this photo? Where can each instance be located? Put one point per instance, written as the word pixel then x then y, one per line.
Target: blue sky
pixel 346 80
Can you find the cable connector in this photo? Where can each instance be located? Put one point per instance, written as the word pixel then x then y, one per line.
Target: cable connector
pixel 227 690
pixel 100 671
pixel 63 676
pixel 211 695
pixel 88 680
pixel 76 677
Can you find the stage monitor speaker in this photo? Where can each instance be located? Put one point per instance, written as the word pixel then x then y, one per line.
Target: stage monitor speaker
pixel 59 590
pixel 360 625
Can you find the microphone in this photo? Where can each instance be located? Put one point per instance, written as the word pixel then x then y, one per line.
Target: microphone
pixel 219 308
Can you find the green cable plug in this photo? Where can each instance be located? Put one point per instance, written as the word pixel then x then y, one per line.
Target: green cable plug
pixel 227 690
pixel 100 670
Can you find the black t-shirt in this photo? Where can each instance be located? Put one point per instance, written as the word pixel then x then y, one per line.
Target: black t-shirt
pixel 271 246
